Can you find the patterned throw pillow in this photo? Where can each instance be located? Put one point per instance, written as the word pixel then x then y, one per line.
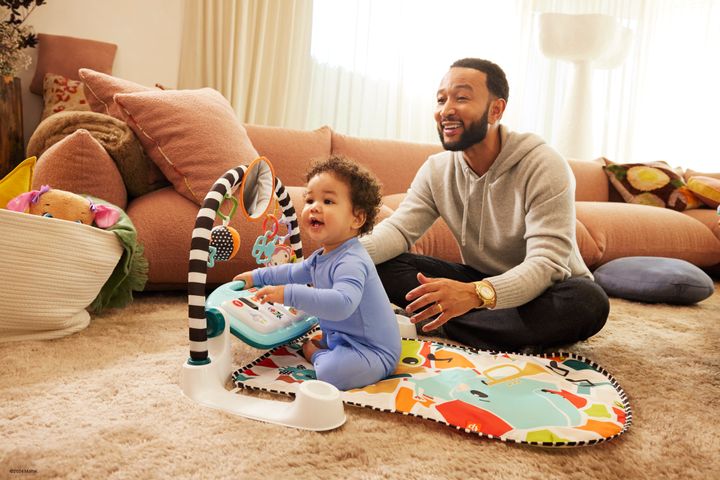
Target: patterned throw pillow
pixel 61 94
pixel 652 183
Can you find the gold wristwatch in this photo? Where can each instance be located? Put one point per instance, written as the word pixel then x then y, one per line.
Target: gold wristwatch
pixel 486 293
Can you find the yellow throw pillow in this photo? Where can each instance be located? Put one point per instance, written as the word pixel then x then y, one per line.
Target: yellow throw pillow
pixel 706 189
pixel 18 181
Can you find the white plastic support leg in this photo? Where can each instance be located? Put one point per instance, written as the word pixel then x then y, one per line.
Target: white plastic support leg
pixel 317 405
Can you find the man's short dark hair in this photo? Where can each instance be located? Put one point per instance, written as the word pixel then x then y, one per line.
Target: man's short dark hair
pixel 497 82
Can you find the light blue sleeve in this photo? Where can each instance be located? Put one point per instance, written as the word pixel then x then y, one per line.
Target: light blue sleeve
pixel 337 302
pixel 284 274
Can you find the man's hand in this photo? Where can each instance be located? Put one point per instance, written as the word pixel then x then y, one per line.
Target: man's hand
pixel 443 297
pixel 271 293
pixel 245 277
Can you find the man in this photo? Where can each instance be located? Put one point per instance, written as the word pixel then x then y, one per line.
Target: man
pixel 508 199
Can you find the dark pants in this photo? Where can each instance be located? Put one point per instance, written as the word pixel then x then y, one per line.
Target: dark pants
pixel 567 312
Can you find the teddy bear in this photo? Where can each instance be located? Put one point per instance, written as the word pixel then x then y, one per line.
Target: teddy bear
pixel 55 203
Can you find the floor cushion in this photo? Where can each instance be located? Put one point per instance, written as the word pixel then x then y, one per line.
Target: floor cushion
pixel 654 280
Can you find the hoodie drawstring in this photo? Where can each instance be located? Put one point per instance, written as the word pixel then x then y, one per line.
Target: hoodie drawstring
pixel 465 209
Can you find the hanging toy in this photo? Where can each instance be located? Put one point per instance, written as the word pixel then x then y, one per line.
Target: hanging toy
pixel 224 239
pixel 281 254
pixel 265 244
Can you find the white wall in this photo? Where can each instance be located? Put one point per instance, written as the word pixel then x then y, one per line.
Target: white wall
pixel 147 33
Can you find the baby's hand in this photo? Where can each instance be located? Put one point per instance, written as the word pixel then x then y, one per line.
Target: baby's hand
pixel 245 277
pixel 271 293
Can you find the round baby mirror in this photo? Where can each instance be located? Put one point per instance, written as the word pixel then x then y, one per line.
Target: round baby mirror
pixel 257 189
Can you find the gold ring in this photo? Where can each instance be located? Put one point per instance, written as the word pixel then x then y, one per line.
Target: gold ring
pixel 439 306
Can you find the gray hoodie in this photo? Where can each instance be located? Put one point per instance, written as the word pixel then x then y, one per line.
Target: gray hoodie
pixel 516 223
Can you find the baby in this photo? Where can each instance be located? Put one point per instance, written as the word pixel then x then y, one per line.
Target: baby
pixel 360 342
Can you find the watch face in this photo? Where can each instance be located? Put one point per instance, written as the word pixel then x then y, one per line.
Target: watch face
pixel 486 291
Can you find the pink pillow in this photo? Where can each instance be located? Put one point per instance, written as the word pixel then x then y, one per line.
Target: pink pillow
pixel 78 163
pixel 65 55
pixel 192 135
pixel 100 90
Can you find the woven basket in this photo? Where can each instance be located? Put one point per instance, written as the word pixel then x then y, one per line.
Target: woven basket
pixel 50 271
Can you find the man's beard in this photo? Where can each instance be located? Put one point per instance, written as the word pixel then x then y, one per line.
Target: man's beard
pixel 475 133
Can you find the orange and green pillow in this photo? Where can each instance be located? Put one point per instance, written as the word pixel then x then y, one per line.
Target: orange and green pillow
pixel 652 183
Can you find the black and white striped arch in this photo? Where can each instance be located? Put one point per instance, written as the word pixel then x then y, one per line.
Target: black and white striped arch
pixel 199 252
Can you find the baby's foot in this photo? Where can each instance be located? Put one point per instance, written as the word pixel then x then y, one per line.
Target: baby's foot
pixel 311 346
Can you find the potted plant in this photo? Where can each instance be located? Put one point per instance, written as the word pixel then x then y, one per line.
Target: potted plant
pixel 15 37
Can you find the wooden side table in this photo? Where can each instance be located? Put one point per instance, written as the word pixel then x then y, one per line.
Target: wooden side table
pixel 12 142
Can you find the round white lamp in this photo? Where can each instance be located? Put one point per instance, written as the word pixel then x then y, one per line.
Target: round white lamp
pixel 588 41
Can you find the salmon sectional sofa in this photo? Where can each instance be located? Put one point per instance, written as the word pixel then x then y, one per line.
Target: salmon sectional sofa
pixel 165 218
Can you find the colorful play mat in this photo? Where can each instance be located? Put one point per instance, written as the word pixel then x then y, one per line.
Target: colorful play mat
pixel 552 400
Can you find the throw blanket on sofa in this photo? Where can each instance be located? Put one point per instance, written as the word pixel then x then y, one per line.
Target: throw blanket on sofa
pixel 139 173
pixel 553 400
pixel 131 271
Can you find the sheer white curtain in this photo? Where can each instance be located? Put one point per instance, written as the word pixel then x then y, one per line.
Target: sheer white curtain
pixel 255 52
pixel 376 65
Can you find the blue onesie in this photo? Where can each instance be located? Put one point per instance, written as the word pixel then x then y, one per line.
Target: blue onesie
pixel 357 320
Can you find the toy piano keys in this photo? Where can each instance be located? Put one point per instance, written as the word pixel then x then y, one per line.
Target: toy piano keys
pixel 263 326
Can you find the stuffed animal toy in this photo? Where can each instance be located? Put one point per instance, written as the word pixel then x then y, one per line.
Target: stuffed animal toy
pixel 54 203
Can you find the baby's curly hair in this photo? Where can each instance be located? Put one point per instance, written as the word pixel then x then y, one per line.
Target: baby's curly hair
pixel 364 187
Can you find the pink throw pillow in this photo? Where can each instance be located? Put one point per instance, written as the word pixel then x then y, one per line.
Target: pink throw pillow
pixel 192 135
pixel 101 88
pixel 78 163
pixel 65 55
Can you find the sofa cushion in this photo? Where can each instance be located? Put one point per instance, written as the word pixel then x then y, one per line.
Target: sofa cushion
pixel 591 182
pixel 101 88
pixel 290 151
pixel 589 250
pixel 164 220
pixel 193 136
pixel 66 55
pixel 708 217
pixel 62 94
pixel 627 230
pixel 654 184
pixel 707 189
pixel 394 162
pixel 78 163
pixel 654 280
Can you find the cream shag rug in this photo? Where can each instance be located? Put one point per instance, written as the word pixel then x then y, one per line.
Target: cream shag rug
pixel 105 403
